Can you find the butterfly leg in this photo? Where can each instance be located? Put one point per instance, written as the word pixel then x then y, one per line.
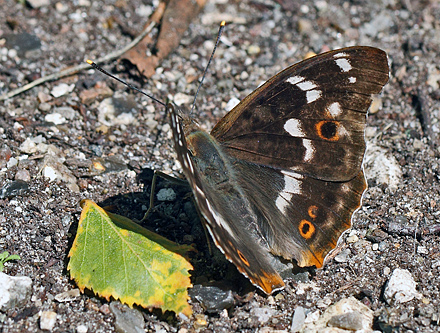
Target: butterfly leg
pixel 153 188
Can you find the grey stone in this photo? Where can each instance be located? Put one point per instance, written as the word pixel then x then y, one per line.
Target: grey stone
pixel 298 319
pixel 15 291
pixel 127 320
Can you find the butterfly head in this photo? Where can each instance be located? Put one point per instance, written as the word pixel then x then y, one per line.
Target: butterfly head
pixel 181 117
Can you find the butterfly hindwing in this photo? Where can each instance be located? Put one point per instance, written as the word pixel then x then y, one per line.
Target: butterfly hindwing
pixel 309 118
pixel 300 217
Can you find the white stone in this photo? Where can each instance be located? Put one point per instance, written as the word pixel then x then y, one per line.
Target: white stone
pixel 55 118
pixel 263 314
pixel 50 173
pixel 182 99
pixel 48 320
pixel 38 3
pixel 81 329
pixel 62 89
pixel 347 315
pixel 401 287
pixel 67 296
pixel 233 102
pixel 382 166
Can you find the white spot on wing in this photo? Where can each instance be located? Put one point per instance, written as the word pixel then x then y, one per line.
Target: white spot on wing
pixel 295 79
pixel 306 85
pixel 313 95
pixel 200 192
pixel 293 127
pixel 343 64
pixel 352 79
pixel 190 165
pixel 292 185
pixel 310 150
pixel 334 109
pixel 340 55
pixel 282 202
pixel 220 220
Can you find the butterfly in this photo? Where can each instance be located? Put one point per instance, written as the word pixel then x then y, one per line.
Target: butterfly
pixel 280 175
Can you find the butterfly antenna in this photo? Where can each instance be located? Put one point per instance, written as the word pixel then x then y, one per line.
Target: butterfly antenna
pixel 220 31
pixel 95 66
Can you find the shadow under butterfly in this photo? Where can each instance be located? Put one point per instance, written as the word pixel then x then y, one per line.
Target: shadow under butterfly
pixel 280 176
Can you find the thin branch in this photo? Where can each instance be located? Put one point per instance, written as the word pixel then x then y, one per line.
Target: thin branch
pixel 394 228
pixel 69 71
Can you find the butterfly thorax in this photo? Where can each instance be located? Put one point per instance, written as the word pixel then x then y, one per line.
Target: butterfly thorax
pixel 209 158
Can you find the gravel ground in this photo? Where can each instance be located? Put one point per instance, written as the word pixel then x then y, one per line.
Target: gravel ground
pixel 43 136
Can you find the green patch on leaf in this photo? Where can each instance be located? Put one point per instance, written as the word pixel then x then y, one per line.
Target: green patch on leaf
pixel 113 256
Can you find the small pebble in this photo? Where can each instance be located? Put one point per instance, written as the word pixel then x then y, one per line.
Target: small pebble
pixel 38 3
pixel 55 118
pixel 166 194
pixel 401 287
pixel 68 296
pixel 422 250
pixel 299 317
pixel 263 314
pixel 253 49
pixel 62 89
pixel 342 256
pixel 182 99
pixel 233 102
pixel 352 239
pixel 200 321
pixel 81 329
pixel 48 320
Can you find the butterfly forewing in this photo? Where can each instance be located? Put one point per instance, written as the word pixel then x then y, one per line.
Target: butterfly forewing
pixel 309 118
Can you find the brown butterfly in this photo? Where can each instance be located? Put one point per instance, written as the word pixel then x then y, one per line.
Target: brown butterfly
pixel 281 174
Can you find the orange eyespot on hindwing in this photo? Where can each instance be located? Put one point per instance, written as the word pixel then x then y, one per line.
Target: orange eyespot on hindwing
pixel 313 211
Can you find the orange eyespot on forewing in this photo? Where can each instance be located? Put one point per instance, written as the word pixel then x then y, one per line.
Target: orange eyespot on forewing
pixel 328 130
